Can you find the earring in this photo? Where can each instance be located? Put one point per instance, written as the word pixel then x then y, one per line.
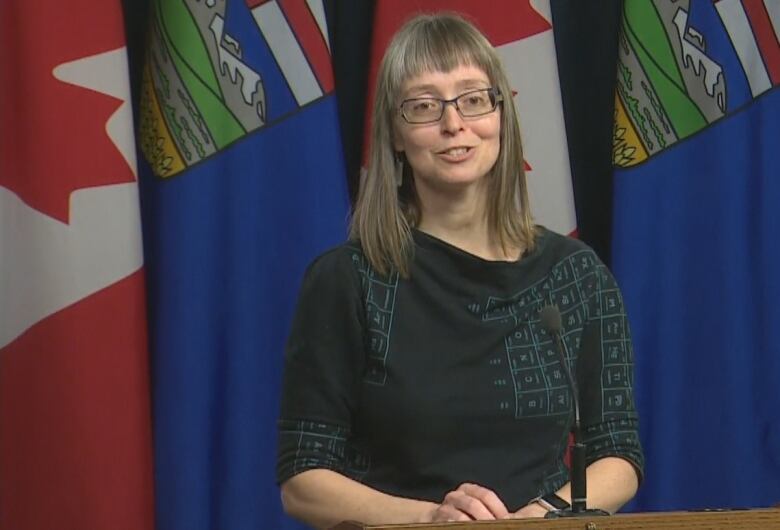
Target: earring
pixel 399 169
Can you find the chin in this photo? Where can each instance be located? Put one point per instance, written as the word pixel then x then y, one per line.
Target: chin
pixel 453 181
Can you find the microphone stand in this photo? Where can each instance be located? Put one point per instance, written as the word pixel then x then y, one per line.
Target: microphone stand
pixel 551 319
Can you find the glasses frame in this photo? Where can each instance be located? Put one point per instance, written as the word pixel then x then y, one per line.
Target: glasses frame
pixel 493 93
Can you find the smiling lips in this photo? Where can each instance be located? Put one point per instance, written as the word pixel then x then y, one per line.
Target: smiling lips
pixel 456 154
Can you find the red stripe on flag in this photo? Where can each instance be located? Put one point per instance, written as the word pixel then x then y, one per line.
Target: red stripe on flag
pixel 251 4
pixel 75 436
pixel 310 38
pixel 765 37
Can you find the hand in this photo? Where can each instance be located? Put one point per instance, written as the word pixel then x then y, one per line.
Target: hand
pixel 533 509
pixel 467 503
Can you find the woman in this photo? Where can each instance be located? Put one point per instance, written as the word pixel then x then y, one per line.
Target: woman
pixel 419 383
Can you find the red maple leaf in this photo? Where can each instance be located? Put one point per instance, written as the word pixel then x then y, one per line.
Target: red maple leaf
pixel 53 137
pixel 502 21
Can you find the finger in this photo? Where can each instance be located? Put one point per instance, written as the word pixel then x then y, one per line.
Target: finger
pixel 488 498
pixel 446 513
pixel 469 505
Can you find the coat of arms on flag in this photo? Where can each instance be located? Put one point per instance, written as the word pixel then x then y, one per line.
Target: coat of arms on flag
pixel 670 87
pixel 204 89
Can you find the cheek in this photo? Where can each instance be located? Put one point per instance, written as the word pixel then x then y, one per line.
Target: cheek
pixel 492 129
pixel 418 141
pixel 492 135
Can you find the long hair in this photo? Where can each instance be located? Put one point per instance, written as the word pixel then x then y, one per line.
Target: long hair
pixel 385 213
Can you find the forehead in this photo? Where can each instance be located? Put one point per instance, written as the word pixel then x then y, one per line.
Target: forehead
pixel 460 77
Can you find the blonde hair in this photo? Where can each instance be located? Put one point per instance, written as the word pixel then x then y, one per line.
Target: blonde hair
pixel 385 213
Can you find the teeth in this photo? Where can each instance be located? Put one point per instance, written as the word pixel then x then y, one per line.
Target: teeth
pixel 456 151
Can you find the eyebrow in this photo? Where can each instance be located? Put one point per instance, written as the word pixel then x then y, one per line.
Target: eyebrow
pixel 476 82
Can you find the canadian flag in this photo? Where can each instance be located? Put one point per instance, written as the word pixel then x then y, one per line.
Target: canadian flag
pixel 75 430
pixel 522 32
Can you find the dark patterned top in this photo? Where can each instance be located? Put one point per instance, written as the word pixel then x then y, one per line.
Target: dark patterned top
pixel 414 386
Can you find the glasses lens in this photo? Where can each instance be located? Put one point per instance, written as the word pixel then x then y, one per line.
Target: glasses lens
pixel 421 110
pixel 477 102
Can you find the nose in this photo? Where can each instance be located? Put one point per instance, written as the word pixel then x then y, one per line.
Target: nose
pixel 451 120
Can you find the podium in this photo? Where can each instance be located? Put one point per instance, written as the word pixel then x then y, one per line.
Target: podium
pixel 760 519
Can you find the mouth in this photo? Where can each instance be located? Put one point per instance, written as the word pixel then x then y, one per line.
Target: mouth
pixel 455 151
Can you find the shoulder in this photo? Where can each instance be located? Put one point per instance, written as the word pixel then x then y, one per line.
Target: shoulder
pixel 569 259
pixel 349 259
pixel 331 287
pixel 335 271
pixel 554 247
pixel 340 260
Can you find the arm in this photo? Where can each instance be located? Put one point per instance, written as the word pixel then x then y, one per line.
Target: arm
pixel 612 482
pixel 324 498
pixel 604 371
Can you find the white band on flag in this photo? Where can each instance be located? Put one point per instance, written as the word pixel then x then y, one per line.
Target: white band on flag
pixel 287 52
pixel 734 18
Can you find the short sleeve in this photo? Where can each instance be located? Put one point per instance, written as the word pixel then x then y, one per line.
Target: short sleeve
pixel 322 370
pixel 605 377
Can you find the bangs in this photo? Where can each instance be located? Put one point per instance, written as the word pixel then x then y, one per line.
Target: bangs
pixel 437 44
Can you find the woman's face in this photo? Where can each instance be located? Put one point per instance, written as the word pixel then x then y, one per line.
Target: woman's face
pixel 453 151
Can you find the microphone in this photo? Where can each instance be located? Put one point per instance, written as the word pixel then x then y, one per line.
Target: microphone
pixel 550 317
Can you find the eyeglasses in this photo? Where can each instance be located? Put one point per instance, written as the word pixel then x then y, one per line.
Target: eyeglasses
pixel 469 105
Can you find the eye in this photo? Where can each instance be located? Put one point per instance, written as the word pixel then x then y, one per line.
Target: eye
pixel 476 99
pixel 424 105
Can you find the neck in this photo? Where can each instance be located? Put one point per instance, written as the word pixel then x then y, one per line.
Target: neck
pixel 460 218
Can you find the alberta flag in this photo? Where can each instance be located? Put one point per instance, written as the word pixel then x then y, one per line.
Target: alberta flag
pixel 696 249
pixel 522 33
pixel 246 187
